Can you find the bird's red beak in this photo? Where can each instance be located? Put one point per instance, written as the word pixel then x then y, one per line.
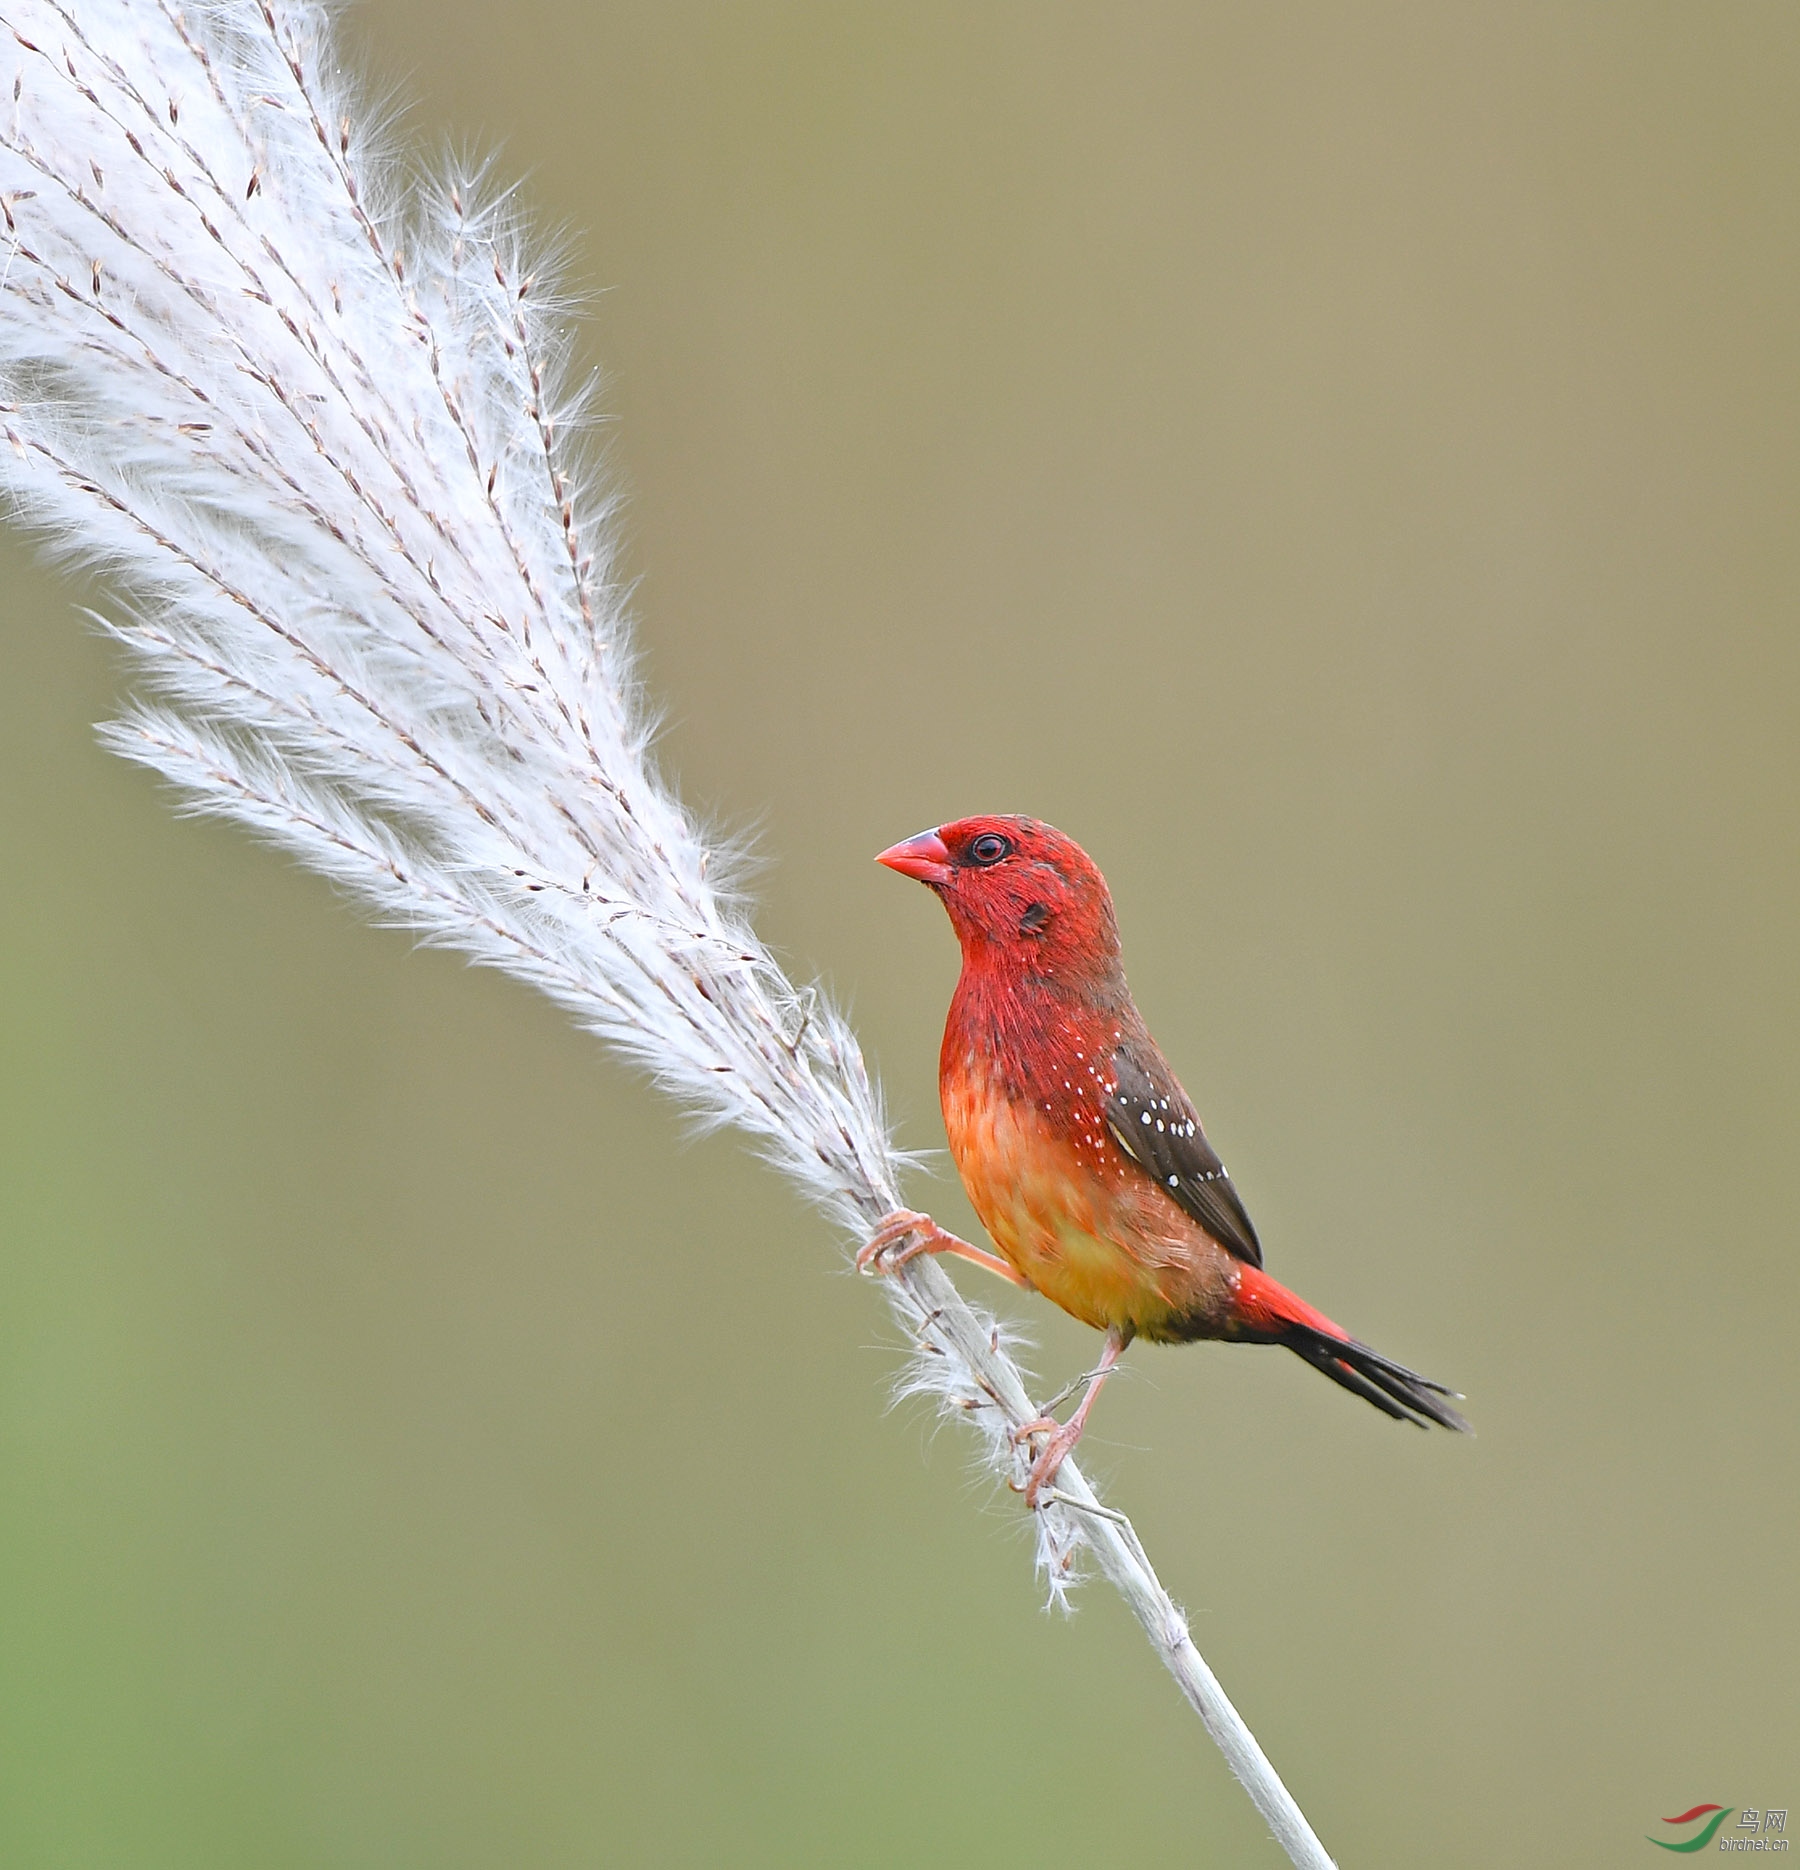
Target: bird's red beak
pixel 926 857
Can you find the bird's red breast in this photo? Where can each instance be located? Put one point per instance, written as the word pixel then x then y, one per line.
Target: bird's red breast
pixel 1066 1207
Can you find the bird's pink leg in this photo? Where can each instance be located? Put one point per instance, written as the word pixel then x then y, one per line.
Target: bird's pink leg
pixel 1064 1435
pixel 877 1259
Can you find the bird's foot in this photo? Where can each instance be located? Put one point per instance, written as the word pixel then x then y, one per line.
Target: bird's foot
pixel 877 1258
pixel 1056 1450
pixel 1064 1435
pixel 883 1254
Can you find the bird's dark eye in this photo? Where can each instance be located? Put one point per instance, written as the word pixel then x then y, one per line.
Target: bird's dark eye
pixel 990 847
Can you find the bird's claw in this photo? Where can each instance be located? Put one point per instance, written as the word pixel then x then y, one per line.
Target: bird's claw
pixel 872 1259
pixel 1055 1452
pixel 1062 1437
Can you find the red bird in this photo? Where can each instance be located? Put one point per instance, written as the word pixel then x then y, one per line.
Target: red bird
pixel 1079 1149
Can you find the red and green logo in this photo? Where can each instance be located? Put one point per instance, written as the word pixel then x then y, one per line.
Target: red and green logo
pixel 1715 1816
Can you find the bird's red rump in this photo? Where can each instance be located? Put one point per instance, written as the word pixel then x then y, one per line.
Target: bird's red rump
pixel 1264 1304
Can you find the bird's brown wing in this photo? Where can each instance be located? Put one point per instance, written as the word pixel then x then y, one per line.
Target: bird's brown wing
pixel 1152 1121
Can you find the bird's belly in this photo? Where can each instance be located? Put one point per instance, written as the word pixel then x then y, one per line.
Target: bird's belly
pixel 1065 1222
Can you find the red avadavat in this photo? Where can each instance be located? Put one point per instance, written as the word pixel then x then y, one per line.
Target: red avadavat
pixel 1079 1149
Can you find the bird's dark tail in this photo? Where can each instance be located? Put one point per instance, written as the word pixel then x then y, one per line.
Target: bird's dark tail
pixel 1271 1314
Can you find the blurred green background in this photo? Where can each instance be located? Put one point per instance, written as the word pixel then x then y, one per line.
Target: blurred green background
pixel 1341 463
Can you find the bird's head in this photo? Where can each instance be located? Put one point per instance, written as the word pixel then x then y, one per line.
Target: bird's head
pixel 1021 896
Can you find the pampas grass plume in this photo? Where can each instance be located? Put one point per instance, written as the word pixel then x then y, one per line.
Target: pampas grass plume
pixel 312 418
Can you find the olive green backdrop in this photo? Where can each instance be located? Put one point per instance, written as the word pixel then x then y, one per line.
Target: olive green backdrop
pixel 1341 464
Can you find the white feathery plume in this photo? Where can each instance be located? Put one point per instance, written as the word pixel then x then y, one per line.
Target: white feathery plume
pixel 314 427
